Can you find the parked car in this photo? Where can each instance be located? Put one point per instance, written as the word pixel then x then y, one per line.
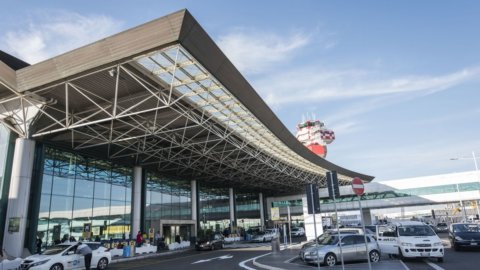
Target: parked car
pixel 64 257
pixel 464 235
pixel 353 249
pixel 267 235
pixel 298 231
pixel 212 242
pixel 441 227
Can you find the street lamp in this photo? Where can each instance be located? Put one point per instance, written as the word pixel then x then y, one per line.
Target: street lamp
pixel 476 172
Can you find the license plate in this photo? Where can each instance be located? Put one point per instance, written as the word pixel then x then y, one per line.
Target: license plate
pixel 473 244
pixel 425 254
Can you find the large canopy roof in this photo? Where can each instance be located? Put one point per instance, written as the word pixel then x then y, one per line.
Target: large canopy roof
pixel 164 96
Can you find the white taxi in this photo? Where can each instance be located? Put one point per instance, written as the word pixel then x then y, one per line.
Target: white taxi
pixel 64 257
pixel 411 239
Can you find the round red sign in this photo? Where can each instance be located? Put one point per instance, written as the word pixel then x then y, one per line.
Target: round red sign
pixel 357 186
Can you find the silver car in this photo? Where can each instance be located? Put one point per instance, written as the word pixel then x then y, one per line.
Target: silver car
pixel 353 249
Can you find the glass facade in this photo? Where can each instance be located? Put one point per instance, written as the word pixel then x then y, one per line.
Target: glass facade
pixel 167 199
pixel 79 192
pixel 6 152
pixel 214 208
pixel 247 210
pixel 451 188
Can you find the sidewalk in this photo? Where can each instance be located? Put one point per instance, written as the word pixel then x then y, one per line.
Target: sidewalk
pixel 287 259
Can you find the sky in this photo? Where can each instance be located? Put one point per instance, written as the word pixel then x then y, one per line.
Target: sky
pixel 397 81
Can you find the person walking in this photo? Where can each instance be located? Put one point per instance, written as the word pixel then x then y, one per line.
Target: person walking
pixel 86 251
pixel 139 239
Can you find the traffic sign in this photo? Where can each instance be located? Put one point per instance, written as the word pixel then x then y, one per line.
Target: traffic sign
pixel 357 186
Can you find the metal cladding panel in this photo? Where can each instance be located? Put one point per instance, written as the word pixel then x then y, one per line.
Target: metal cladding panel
pixel 138 40
pixel 7 77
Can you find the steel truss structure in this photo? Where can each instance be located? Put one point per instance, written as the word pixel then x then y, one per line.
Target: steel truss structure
pixel 162 110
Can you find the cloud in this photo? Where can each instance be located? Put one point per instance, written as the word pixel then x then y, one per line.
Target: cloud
pixel 256 52
pixel 310 83
pixel 56 32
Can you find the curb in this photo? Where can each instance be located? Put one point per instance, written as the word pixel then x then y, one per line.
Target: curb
pixel 151 255
pixel 264 266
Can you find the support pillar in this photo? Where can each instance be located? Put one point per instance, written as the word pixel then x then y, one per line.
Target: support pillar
pixel 193 187
pixel 367 216
pixel 233 221
pixel 262 210
pixel 309 224
pixel 18 197
pixel 137 201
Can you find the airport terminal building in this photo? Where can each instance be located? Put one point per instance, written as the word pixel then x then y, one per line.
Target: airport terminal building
pixel 150 128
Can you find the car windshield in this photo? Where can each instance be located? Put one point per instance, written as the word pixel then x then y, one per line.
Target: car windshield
pixel 54 250
pixel 442 224
pixel 415 230
pixel 466 228
pixel 260 233
pixel 295 229
pixel 328 240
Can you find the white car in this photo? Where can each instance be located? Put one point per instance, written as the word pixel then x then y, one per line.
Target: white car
pixel 298 231
pixel 267 235
pixel 411 239
pixel 64 257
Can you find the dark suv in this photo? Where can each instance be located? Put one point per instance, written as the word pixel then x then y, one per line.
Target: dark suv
pixel 212 242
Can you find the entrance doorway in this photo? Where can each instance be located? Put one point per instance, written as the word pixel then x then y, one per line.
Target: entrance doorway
pixel 176 233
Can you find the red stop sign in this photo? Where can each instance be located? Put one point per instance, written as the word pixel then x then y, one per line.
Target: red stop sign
pixel 357 186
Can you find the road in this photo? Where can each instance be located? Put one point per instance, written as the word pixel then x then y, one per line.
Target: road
pixel 198 260
pixel 231 258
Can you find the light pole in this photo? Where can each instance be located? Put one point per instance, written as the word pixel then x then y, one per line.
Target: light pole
pixel 476 172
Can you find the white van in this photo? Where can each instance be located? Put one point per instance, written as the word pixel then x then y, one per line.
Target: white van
pixel 411 239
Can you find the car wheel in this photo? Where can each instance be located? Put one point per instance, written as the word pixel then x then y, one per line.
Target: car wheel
pixel 456 247
pixel 223 245
pixel 440 259
pixel 400 254
pixel 264 240
pixel 212 247
pixel 330 259
pixel 102 264
pixel 56 266
pixel 374 256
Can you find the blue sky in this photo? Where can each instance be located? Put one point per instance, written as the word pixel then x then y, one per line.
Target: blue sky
pixel 398 82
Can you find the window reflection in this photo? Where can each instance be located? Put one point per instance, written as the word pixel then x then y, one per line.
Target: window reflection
pixel 77 191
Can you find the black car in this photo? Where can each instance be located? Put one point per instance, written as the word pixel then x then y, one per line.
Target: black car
pixel 215 241
pixel 464 235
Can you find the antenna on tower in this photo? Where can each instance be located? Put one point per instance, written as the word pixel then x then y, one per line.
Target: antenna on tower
pixel 303 118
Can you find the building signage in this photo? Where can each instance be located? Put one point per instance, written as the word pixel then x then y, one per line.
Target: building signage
pixel 14 224
pixel 275 213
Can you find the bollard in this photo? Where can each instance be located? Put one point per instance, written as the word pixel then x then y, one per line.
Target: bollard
pixel 275 245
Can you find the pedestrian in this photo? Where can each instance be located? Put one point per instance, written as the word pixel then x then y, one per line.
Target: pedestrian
pixel 139 239
pixel 156 238
pixel 86 251
pixel 38 243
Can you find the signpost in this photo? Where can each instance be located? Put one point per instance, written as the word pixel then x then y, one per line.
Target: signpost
pixel 359 189
pixel 333 193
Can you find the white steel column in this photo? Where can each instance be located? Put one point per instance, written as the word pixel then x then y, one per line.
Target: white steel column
pixel 262 213
pixel 193 189
pixel 137 200
pixel 18 197
pixel 367 216
pixel 232 208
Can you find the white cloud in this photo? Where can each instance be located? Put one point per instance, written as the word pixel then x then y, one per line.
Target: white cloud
pixel 56 32
pixel 316 85
pixel 255 52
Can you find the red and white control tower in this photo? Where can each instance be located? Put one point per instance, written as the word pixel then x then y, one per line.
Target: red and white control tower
pixel 315 136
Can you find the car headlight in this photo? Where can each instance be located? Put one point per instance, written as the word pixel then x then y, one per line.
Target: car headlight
pixel 437 244
pixel 39 263
pixel 458 238
pixel 207 243
pixel 405 244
